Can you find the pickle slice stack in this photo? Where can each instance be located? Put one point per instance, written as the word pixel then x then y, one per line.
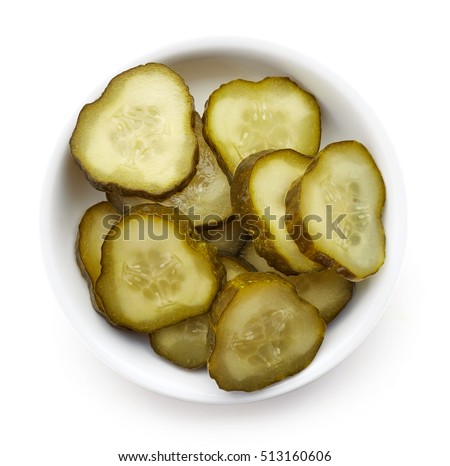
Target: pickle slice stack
pixel 186 343
pixel 206 197
pixel 228 239
pixel 328 291
pixel 94 226
pixel 258 195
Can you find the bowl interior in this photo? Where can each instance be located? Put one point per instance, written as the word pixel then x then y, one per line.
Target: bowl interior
pixel 67 195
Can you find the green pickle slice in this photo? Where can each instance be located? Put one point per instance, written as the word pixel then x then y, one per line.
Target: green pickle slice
pixel 156 271
pixel 205 198
pixel 261 332
pixel 244 117
pixel 328 291
pixel 259 198
pixel 138 137
pixel 93 228
pixel 186 343
pixel 334 211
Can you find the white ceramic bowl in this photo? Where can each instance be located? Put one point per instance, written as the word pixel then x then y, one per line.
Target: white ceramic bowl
pixel 205 64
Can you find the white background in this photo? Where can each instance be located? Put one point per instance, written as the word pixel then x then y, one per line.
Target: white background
pixel 388 402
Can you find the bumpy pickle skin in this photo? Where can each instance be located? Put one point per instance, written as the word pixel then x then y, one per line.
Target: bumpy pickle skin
pixel 138 138
pixel 244 117
pixel 261 332
pixel 156 271
pixel 94 226
pixel 206 197
pixel 334 211
pixel 258 192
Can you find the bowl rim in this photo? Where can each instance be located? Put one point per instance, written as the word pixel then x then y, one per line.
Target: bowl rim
pixel 230 45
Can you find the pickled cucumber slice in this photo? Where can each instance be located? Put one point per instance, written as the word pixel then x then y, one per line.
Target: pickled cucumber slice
pixel 185 343
pixel 259 196
pixel 326 290
pixel 209 190
pixel 137 138
pixel 245 117
pixel 261 332
pixel 334 211
pixel 94 226
pixel 155 270
pixel 205 198
pixel 229 237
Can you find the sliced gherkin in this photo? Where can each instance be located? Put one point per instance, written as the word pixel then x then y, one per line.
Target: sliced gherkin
pixel 93 228
pixel 245 117
pixel 185 343
pixel 156 271
pixel 205 198
pixel 326 290
pixel 258 192
pixel 334 211
pixel 261 332
pixel 138 137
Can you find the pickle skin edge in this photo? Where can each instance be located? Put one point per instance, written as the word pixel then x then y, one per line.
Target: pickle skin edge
pixel 243 205
pixel 115 187
pixel 295 227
